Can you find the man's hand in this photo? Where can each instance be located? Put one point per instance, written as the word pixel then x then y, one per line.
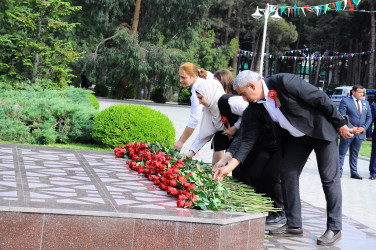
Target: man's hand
pixel 222 172
pixel 345 132
pixel 178 145
pixel 225 170
pixel 358 130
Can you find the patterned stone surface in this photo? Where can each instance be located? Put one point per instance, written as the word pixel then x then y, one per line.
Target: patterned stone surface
pixel 60 198
pixel 73 199
pixel 64 181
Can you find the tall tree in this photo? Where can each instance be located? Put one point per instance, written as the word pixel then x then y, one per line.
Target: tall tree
pixel 31 49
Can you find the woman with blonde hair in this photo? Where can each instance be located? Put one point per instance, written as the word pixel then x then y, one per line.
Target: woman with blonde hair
pixel 191 76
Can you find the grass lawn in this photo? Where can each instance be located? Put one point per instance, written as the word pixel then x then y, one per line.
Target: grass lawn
pixel 365 150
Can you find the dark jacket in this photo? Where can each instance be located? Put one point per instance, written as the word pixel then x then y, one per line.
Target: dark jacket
pixel 307 108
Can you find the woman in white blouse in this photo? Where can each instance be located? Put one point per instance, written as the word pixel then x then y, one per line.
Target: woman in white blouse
pixel 210 95
pixel 191 76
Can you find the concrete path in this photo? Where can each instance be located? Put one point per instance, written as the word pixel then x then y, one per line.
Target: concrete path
pixel 359 196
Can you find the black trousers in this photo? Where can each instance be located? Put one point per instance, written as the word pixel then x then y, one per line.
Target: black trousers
pixel 261 170
pixel 296 151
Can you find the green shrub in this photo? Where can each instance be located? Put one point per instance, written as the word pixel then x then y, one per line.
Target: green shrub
pixel 130 93
pixel 120 124
pixel 184 97
pixel 157 95
pixel 101 90
pixel 44 116
pixel 94 101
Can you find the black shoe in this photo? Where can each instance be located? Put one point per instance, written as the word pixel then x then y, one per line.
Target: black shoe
pixel 356 176
pixel 329 238
pixel 372 177
pixel 286 231
pixel 275 218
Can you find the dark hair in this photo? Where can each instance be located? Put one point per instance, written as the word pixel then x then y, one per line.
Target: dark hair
pixel 226 78
pixel 356 87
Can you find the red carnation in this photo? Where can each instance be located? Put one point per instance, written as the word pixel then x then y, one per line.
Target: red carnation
pixel 188 204
pixel 180 203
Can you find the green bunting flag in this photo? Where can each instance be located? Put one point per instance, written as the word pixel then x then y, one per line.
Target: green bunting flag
pixel 294 10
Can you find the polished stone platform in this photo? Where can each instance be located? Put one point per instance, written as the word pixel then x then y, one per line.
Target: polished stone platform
pixel 54 198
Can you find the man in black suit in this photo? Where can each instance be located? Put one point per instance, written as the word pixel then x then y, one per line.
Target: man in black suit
pixel 311 120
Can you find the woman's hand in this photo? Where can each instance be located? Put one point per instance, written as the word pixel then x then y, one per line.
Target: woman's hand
pixel 222 162
pixel 230 132
pixel 189 154
pixel 178 145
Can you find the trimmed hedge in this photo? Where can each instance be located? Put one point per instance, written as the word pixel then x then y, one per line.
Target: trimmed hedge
pixel 184 97
pixel 123 123
pixel 157 95
pixel 44 116
pixel 94 101
pixel 101 90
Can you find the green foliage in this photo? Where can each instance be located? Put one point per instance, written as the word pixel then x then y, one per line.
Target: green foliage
pixel 29 45
pixel 157 95
pixel 175 20
pixel 184 97
pixel 44 116
pixel 163 65
pixel 130 93
pixel 202 53
pixel 101 90
pixel 94 101
pixel 120 124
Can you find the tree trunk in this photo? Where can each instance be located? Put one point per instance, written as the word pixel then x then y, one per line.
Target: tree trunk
pixel 255 50
pixel 316 81
pixel 139 88
pixel 276 65
pixel 371 65
pixel 228 20
pixel 257 59
pixel 304 69
pixel 235 59
pixel 310 71
pixel 36 57
pixel 343 75
pixel 349 66
pixel 136 17
pixel 295 61
pixel 266 60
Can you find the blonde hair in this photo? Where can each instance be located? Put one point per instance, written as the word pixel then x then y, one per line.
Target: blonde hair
pixel 192 70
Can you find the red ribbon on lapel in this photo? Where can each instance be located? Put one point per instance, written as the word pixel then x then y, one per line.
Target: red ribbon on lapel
pixel 273 95
pixel 224 120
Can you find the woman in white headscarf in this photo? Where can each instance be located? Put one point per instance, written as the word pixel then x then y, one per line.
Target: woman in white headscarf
pixel 209 95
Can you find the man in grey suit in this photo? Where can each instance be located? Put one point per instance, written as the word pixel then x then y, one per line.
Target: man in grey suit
pixel 360 116
pixel 312 122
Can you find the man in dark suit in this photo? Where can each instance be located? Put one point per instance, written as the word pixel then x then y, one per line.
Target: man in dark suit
pixel 372 162
pixel 311 120
pixel 360 117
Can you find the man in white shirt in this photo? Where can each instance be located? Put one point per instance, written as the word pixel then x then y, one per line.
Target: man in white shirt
pixel 312 122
